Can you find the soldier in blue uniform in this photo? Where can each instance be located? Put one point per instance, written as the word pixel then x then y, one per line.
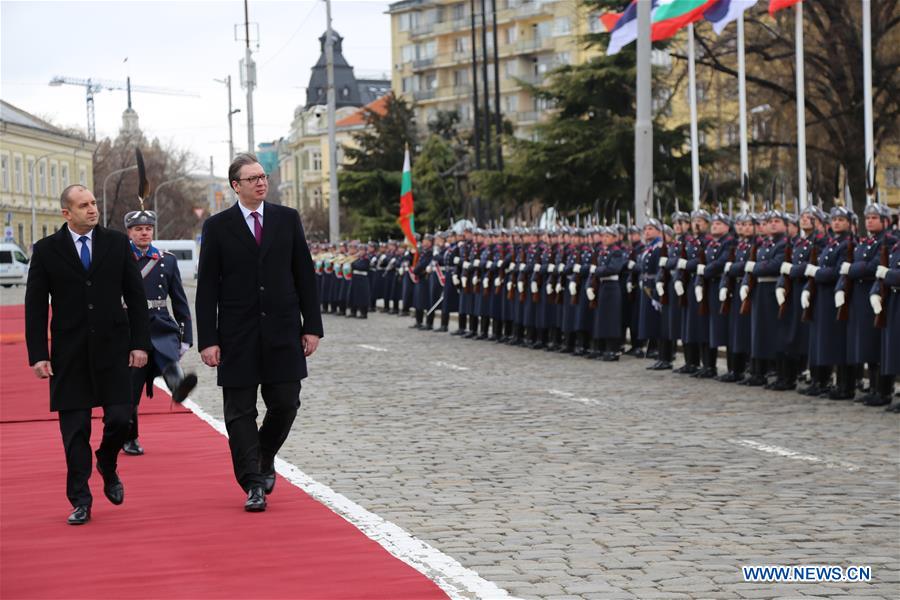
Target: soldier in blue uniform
pixel 446 267
pixel 170 337
pixel 633 291
pixel 739 325
pixel 706 287
pixel 604 290
pixel 885 297
pixel 695 326
pixel 649 307
pixel 358 294
pixel 667 291
pixel 418 277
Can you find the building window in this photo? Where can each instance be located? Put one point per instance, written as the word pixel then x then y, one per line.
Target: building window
pixel 458 11
pixel 731 134
pixel 403 21
pixel 42 178
pixel 510 103
pixel 4 172
pixel 43 231
pixel 460 77
pixel 54 182
pixel 461 45
pixel 512 35
pixel 562 26
pixel 18 174
pixel 594 23
pixel 31 175
pixel 82 175
pixel 317 197
pixel 408 53
pixel 65 175
pixel 22 235
pixel 345 92
pixel 563 58
pixel 892 177
pixel 316 160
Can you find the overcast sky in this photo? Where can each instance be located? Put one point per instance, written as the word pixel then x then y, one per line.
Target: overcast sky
pixel 184 46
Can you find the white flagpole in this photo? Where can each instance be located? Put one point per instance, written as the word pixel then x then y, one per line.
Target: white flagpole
pixel 867 91
pixel 643 126
pixel 801 106
pixel 742 98
pixel 695 155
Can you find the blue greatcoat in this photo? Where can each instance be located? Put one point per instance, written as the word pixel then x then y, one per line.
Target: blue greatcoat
pixel 607 317
pixel 359 293
pixel 740 331
pixel 646 267
pixel 717 254
pixel 696 326
pixel 890 340
pixel 827 335
pixel 765 342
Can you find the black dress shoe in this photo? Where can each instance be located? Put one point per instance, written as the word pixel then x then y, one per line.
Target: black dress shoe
pixel 132 447
pixel 256 500
pixel 729 377
pixel 783 386
pixel 841 395
pixel 878 401
pixel 687 369
pixel 661 366
pixel 267 468
pixel 811 390
pixel 186 386
pixel 441 330
pixel 112 486
pixel 893 408
pixel 707 373
pixel 458 332
pixel 637 352
pixel 609 357
pixel 79 516
pixel 651 354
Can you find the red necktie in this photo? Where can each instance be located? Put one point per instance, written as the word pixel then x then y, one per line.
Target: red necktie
pixel 257 227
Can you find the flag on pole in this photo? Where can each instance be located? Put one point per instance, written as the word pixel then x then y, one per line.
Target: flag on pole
pixel 625 30
pixel 670 16
pixel 776 5
pixel 407 220
pixel 608 21
pixel 723 12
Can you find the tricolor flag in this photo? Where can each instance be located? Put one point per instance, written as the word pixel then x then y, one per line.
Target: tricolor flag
pixel 407 220
pixel 608 21
pixel 776 5
pixel 666 19
pixel 723 12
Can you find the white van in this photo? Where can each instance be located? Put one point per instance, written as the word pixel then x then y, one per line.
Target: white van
pixel 185 251
pixel 13 265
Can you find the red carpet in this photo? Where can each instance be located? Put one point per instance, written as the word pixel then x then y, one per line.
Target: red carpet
pixel 182 531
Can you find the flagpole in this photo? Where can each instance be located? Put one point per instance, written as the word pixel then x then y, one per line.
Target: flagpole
pixel 867 92
pixel 334 227
pixel 742 98
pixel 801 106
pixel 643 126
pixel 695 154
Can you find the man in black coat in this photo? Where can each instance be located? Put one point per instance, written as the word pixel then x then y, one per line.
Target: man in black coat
pixel 258 318
pixel 87 271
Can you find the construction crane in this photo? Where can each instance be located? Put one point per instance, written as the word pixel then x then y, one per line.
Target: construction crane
pixel 95 86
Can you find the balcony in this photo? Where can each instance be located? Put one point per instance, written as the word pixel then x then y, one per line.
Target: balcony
pixel 527 117
pixel 530 9
pixel 534 45
pixel 422 63
pixel 530 78
pixel 462 90
pixel 421 29
pixel 421 95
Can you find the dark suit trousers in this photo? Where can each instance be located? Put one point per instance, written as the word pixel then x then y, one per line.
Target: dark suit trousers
pixel 251 446
pixel 75 426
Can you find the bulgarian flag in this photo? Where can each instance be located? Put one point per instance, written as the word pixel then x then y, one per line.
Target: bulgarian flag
pixel 670 16
pixel 776 5
pixel 407 220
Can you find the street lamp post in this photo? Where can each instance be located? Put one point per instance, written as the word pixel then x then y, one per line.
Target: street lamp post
pixel 231 112
pixel 117 171
pixel 156 191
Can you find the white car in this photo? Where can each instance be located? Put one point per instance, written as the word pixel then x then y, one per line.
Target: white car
pixel 13 265
pixel 185 251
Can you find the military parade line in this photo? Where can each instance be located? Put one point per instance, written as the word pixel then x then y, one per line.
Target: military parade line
pixel 790 298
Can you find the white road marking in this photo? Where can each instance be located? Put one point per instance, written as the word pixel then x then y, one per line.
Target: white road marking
pixel 560 393
pixel 458 582
pixel 451 366
pixel 375 348
pixel 573 398
pixel 794 455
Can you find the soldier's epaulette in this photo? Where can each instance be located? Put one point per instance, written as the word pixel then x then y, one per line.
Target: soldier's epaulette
pixel 167 253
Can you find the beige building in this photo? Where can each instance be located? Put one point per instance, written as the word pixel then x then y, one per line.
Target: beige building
pixel 37 161
pixel 431 44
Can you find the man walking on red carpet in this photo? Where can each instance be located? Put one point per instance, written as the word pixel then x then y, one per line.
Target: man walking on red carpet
pixel 86 271
pixel 257 320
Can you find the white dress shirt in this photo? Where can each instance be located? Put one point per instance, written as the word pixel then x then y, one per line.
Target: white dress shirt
pixel 249 220
pixel 90 242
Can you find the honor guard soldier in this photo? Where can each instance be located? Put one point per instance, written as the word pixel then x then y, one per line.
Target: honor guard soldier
pixel 170 337
pixel 885 301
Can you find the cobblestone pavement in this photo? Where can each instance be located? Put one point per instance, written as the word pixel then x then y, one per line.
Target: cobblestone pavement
pixel 558 477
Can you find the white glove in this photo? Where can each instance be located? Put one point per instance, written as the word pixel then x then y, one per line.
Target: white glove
pixel 745 291
pixel 489 264
pixel 728 267
pixel 466 264
pixel 576 268
pixel 810 270
pixel 660 289
pixel 701 269
pixel 485 282
pixel 663 260
pixel 476 263
pixel 509 285
pixel 629 287
pixel 465 282
pixel 534 287
pixel 455 279
pixel 551 267
pixel 429 269
pixel 679 287
pixel 593 269
pixel 875 301
pixel 522 266
pixel 185 347
pixel 804 299
pixel 455 260
pixel 845 268
pixel 748 266
pixel 780 295
pixel 698 293
pixel 499 264
pixel 559 288
pixel 497 281
pixel 723 294
pixel 549 289
pixel 590 293
pixel 786 268
pixel 573 288
pixel 630 264
pixel 520 286
pixel 681 264
pixel 881 272
pixel 560 267
pixel 839 298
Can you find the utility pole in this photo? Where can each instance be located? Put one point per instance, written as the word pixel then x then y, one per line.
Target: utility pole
pixel 231 112
pixel 499 118
pixel 643 127
pixel 475 89
pixel 487 93
pixel 248 79
pixel 334 225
